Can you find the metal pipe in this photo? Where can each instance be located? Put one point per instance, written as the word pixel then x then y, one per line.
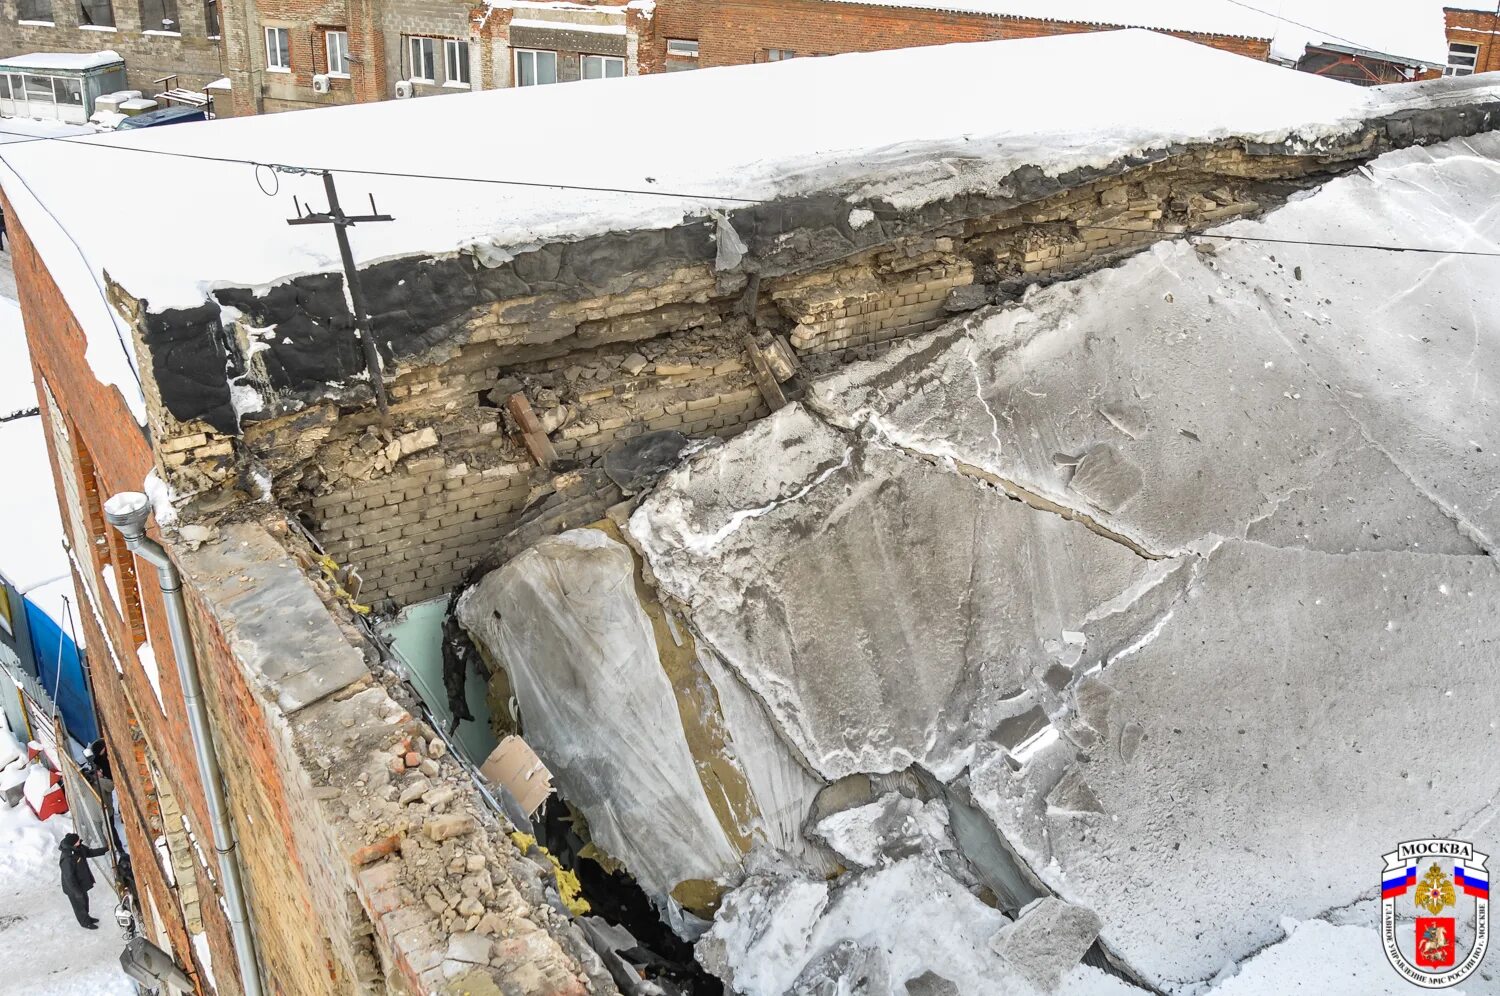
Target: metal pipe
pixel 128 512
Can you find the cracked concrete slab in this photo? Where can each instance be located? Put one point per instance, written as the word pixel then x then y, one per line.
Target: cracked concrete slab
pixel 844 580
pixel 1362 708
pixel 1333 400
pixel 275 623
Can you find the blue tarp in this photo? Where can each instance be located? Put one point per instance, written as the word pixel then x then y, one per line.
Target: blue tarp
pixel 54 649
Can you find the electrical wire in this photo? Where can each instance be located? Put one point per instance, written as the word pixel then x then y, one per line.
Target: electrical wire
pixel 1292 242
pixel 1308 27
pixel 354 171
pixel 94 276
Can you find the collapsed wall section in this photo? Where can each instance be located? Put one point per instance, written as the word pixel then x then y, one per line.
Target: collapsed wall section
pixel 617 335
pixel 373 866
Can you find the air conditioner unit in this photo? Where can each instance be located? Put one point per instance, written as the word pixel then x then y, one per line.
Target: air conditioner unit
pixel 320 83
pixel 404 89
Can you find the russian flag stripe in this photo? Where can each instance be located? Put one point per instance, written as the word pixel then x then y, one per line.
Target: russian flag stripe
pixel 1471 882
pixel 1392 887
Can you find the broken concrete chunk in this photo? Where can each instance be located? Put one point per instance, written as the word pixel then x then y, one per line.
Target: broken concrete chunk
pixel 440 828
pixel 1105 478
pixel 414 791
pixel 634 364
pixel 416 442
pixel 930 984
pixel 1047 941
pixel 845 968
pixel 1016 730
pixel 472 948
pixel 1072 795
pixel 886 830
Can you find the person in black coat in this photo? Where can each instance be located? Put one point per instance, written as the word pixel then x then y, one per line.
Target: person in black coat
pixel 77 879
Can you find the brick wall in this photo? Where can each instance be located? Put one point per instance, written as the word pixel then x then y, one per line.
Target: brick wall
pixel 736 32
pixel 1480 28
pixel 191 54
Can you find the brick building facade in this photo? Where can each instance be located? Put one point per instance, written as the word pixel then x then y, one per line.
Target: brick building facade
pixel 737 32
pixel 189 47
pixel 1472 36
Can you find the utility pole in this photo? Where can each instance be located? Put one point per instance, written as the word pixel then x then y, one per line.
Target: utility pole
pixel 340 221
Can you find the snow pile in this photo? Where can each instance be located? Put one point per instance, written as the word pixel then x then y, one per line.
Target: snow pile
pixel 63 60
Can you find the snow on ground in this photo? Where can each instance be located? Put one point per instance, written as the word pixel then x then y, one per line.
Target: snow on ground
pixel 46 952
pixel 31 550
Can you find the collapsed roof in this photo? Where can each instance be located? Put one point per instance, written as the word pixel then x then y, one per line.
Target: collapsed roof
pixel 899 142
pixel 1167 584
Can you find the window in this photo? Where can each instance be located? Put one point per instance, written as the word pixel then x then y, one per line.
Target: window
pixel 456 62
pixel 534 68
pixel 278 50
pixel 682 54
pixel 69 92
pixel 211 17
pixel 779 54
pixel 39 89
pixel 337 43
pixel 602 67
pixel 423 63
pixel 1461 60
pixel 96 13
pixel 35 10
pixel 160 15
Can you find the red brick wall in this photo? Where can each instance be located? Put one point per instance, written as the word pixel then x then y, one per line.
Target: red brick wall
pixel 1480 28
pixel 99 422
pixel 736 32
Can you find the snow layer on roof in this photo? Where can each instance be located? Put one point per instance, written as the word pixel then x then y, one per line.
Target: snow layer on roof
pixel 1219 17
pixel 603 29
pixel 63 60
pixel 897 117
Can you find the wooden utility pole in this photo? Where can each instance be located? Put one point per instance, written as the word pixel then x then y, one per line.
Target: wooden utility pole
pixel 341 222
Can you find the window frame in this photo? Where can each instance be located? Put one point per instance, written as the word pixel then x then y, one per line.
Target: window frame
pixel 283 50
pixel 157 28
pixel 329 34
pixel 780 54
pixel 1460 68
pixel 533 52
pixel 604 60
pixel 682 54
pixel 451 48
pixel 47 5
pixel 88 23
pixel 212 26
pixel 412 43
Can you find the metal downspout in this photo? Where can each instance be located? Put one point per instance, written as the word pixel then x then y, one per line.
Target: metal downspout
pixel 128 512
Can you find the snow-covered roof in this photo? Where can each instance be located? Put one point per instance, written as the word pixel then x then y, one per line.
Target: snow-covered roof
pixel 897 125
pixel 1215 17
pixel 62 60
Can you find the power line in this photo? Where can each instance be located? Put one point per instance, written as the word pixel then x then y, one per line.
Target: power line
pixel 108 308
pixel 1308 27
pixel 1434 250
pixel 351 171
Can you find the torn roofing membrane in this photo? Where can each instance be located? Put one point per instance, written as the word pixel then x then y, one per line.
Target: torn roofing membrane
pixel 1198 688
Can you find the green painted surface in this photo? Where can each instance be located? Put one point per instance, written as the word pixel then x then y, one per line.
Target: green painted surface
pixel 417 635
